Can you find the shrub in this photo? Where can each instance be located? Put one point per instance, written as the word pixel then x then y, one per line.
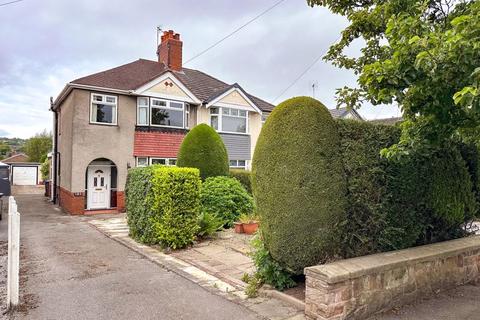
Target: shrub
pixel 203 148
pixel 139 204
pixel 395 205
pixel 45 169
pixel 208 224
pixel 226 198
pixel 244 177
pixel 268 270
pixel 299 184
pixel 176 205
pixel 360 145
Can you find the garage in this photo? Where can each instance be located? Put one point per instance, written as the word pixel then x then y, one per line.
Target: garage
pixel 24 175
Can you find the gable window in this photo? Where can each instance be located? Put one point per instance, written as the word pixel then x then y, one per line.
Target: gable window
pixel 229 119
pixel 142 111
pixel 103 109
pixel 167 113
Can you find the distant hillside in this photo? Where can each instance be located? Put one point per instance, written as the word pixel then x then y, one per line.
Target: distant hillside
pixel 10 145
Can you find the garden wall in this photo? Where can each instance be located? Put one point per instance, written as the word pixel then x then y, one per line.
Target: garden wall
pixel 360 287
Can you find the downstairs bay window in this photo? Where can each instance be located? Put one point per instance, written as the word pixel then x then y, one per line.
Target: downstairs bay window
pixel 146 161
pixel 229 120
pixel 238 164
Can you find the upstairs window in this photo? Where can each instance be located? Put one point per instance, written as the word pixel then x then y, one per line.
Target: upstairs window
pixel 229 120
pixel 167 113
pixel 103 109
pixel 142 111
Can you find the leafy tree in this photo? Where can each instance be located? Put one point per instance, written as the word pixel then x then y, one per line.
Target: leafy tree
pixel 4 150
pixel 37 147
pixel 421 54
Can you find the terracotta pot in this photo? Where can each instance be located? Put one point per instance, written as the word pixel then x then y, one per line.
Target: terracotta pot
pixel 238 227
pixel 250 228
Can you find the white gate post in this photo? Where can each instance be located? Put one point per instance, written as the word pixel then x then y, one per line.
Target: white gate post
pixel 13 253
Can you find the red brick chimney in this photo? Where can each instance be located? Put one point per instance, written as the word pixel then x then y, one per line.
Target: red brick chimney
pixel 170 50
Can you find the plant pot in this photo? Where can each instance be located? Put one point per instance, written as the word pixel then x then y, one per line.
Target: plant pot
pixel 238 227
pixel 250 228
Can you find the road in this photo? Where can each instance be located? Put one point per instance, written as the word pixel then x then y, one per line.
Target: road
pixel 72 271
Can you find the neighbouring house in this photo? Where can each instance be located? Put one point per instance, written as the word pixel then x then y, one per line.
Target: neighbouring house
pixel 138 114
pixel 21 171
pixel 345 113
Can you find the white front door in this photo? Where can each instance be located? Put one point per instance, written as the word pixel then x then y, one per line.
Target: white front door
pixel 98 196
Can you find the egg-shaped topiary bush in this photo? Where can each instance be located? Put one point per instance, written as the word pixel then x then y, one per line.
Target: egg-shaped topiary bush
pixel 299 184
pixel 203 148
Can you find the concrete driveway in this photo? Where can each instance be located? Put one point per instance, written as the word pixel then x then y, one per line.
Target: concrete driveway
pixel 72 271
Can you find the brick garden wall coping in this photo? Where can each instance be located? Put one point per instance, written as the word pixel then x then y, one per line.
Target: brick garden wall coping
pixel 359 287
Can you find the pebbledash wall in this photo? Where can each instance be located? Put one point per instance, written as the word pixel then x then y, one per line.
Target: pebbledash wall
pixel 81 142
pixel 360 287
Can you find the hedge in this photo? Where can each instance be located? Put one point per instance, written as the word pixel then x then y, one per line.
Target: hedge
pixel 366 175
pixel 139 204
pixel 203 148
pixel 396 205
pixel 163 205
pixel 299 184
pixel 244 177
pixel 176 205
pixel 226 198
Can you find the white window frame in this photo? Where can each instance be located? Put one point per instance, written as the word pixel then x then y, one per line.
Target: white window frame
pixel 167 107
pixel 220 119
pixel 167 161
pixel 104 101
pixel 143 106
pixel 238 166
pixel 137 165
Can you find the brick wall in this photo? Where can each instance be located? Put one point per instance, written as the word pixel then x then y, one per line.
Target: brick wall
pixel 360 287
pixel 157 144
pixel 72 204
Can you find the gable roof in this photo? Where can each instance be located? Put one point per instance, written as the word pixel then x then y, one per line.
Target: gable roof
pixel 16 158
pixel 131 76
pixel 342 112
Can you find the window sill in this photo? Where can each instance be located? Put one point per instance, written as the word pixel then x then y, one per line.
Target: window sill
pixel 237 133
pixel 104 124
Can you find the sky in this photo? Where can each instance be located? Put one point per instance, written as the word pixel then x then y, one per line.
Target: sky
pixel 45 44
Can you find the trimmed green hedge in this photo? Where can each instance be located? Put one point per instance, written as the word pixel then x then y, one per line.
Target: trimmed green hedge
pixel 139 203
pixel 226 198
pixel 395 205
pixel 299 184
pixel 203 148
pixel 366 174
pixel 163 205
pixel 244 177
pixel 176 205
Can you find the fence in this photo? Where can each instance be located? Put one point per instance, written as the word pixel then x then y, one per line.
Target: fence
pixel 13 253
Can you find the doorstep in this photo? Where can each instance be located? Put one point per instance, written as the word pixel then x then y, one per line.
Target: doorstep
pixel 91 212
pixel 206 273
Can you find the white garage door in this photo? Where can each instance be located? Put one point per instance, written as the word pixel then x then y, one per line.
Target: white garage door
pixel 24 176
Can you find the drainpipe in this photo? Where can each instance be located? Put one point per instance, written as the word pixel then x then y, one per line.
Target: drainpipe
pixel 55 151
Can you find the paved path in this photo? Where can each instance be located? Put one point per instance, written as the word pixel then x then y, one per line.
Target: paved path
pixel 72 271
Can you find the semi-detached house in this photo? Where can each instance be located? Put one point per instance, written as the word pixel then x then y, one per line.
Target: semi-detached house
pixel 138 114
